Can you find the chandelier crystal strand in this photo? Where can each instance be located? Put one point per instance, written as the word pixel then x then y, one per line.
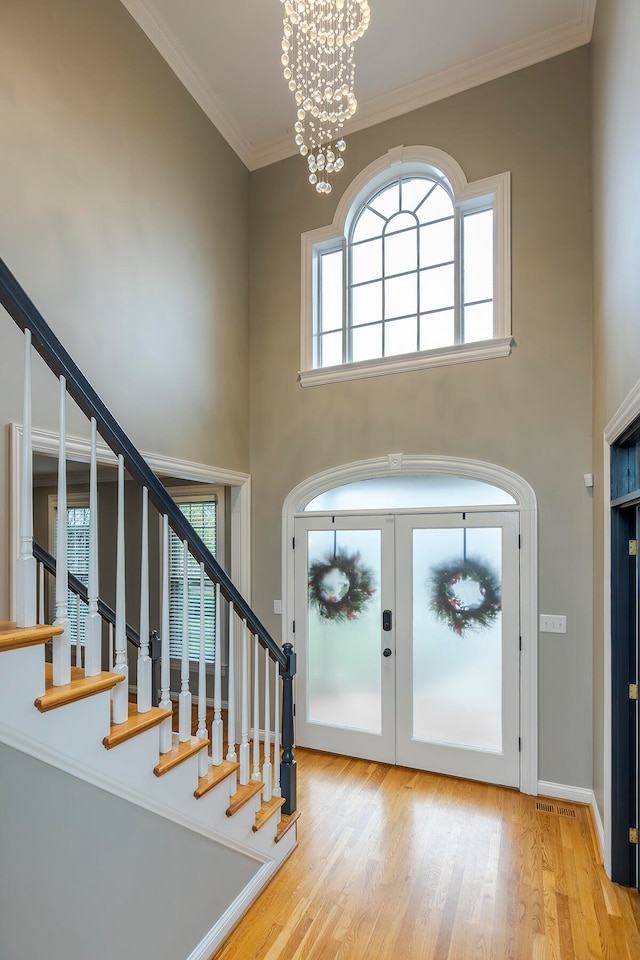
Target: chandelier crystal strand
pixel 317 57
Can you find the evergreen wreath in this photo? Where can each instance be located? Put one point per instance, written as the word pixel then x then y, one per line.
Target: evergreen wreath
pixel 465 594
pixel 340 586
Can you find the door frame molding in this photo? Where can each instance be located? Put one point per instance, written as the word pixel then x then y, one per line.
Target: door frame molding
pixel 626 414
pixel 526 505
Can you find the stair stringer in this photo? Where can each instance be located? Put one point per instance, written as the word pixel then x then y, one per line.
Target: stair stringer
pixel 32 811
pixel 70 738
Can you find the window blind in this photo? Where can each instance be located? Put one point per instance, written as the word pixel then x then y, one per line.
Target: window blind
pixel 78 563
pixel 202 515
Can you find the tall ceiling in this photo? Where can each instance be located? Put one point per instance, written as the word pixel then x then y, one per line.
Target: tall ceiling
pixel 227 54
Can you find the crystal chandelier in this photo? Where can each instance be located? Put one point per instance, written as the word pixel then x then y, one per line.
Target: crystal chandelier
pixel 317 57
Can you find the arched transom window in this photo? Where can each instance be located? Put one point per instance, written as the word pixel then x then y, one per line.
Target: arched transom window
pixel 415 278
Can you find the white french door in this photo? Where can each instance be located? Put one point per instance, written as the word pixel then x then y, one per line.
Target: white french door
pixel 407 633
pixel 345 692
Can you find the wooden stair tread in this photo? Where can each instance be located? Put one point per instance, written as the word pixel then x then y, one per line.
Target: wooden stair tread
pixel 136 723
pixel 13 638
pixel 178 753
pixel 215 776
pixel 287 821
pixel 242 795
pixel 79 688
pixel 267 810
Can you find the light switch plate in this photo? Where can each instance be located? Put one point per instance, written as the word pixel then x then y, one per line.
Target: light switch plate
pixel 277 606
pixel 553 623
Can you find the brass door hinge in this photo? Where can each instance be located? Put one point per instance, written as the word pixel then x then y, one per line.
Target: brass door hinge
pixel 633 548
pixel 633 691
pixel 633 834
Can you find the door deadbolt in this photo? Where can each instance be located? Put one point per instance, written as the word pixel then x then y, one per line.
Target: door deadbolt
pixel 386 652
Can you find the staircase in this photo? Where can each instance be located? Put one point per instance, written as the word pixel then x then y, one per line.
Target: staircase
pixel 81 719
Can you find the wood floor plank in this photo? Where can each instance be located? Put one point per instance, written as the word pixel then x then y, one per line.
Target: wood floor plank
pixel 395 864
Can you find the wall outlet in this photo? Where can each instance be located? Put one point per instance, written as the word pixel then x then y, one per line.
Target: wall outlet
pixel 552 623
pixel 277 606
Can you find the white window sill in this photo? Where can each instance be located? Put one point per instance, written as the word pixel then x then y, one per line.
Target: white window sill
pixel 461 353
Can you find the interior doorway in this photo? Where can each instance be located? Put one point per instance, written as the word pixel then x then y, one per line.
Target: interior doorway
pixel 625 657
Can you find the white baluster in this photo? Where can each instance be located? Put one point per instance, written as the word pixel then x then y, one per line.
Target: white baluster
pixel 144 660
pixel 111 648
pixel 41 593
pixel 277 790
pixel 217 730
pixel 184 700
pixel 267 770
pixel 62 643
pixel 165 668
pixel 78 641
pixel 256 712
pixel 121 690
pixel 244 734
pixel 231 685
pixel 93 623
pixel 203 758
pixel 26 565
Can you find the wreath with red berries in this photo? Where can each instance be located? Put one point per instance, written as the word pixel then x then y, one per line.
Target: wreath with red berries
pixel 465 595
pixel 340 586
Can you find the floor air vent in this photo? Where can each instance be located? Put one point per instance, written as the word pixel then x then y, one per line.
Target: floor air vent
pixel 543 806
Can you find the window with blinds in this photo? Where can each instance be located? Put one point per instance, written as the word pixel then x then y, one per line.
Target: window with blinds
pixel 202 514
pixel 77 559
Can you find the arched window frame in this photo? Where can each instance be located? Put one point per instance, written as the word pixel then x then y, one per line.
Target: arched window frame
pixel 492 192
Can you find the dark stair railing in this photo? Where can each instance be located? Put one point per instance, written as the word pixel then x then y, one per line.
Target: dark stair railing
pixel 107 614
pixel 26 315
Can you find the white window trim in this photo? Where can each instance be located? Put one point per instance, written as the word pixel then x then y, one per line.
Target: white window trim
pixel 402 161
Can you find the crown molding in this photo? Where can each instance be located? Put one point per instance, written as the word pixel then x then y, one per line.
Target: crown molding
pixel 189 75
pixel 446 83
pixel 436 86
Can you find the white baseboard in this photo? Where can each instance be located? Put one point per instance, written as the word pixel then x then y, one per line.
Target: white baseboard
pixel 597 820
pixel 223 927
pixel 562 791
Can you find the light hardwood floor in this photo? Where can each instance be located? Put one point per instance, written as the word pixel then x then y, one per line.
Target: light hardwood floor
pixel 396 864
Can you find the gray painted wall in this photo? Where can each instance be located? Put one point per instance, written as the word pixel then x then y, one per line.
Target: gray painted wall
pixel 616 344
pixel 86 874
pixel 125 216
pixel 530 412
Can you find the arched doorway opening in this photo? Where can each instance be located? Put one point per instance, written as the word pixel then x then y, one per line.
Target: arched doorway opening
pixel 474 506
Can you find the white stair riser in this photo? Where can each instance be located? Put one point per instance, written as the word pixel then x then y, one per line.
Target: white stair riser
pixel 74 732
pixel 21 681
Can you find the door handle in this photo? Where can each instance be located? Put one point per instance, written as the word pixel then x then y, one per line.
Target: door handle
pixel 387 620
pixel 386 652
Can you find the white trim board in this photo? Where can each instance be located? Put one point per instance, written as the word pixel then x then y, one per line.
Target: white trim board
pixel 526 506
pixel 78 448
pixel 562 791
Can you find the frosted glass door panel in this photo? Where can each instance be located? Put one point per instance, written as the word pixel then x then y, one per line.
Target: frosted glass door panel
pixel 343 631
pixel 458 652
pixel 345 685
pixel 457 658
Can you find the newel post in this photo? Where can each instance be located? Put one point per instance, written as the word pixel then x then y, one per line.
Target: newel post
pixel 288 764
